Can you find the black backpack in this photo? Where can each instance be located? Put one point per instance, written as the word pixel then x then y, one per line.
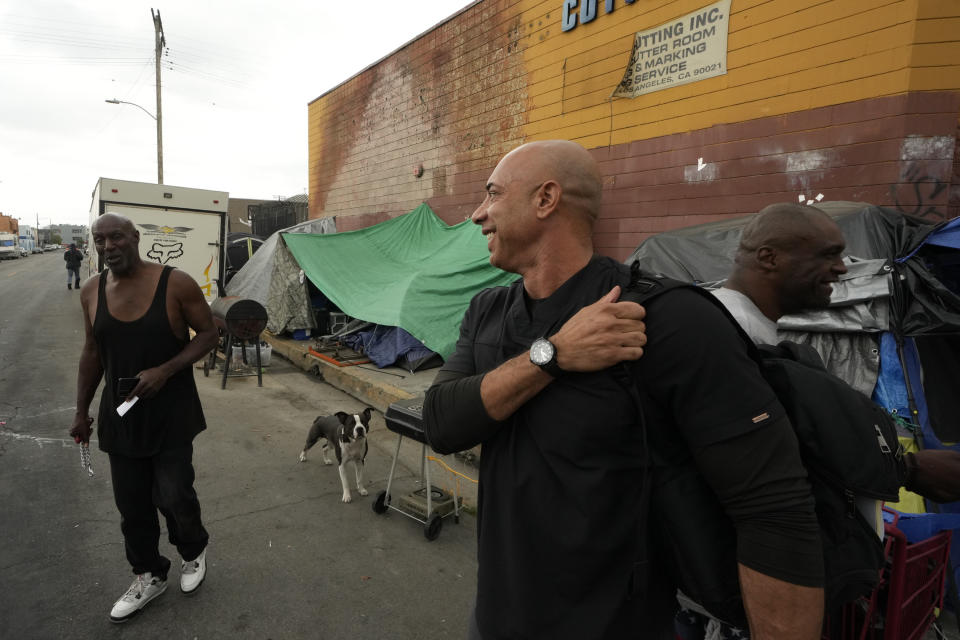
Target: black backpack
pixel 848 445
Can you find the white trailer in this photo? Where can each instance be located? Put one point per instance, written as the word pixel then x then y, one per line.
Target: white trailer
pixel 9 247
pixel 179 226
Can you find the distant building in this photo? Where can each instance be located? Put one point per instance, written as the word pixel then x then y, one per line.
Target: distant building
pixel 238 214
pixel 9 224
pixel 274 215
pixel 44 236
pixel 70 233
pixel 28 237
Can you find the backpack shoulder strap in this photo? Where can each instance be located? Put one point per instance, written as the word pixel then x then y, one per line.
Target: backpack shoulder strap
pixel 802 353
pixel 645 286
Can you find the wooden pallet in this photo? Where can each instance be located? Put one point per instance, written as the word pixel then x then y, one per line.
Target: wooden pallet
pixel 339 355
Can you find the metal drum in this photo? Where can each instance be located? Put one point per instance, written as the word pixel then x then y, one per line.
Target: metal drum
pixel 239 317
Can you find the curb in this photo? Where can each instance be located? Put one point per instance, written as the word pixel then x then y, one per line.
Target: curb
pixel 378 395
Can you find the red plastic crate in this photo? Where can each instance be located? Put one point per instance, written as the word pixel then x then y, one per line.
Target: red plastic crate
pixel 903 606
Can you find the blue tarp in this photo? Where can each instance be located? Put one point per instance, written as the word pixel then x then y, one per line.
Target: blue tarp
pixel 920 526
pixel 946 236
pixel 386 345
pixel 891 390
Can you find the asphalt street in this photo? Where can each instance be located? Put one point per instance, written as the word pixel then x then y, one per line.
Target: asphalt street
pixel 287 559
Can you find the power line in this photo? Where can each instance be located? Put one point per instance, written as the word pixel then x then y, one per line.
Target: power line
pixel 75 61
pixel 187 70
pixel 69 42
pixel 43 32
pixel 84 26
pixel 76 38
pixel 136 82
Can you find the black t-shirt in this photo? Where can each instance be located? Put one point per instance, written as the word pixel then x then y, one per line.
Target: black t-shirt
pixel 560 480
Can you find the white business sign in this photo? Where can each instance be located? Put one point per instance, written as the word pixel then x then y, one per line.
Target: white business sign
pixel 690 48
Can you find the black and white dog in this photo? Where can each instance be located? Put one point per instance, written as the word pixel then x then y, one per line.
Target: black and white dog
pixel 347 434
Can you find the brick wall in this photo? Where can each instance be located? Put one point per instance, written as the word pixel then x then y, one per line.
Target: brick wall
pixel 898 152
pixel 9 224
pixel 426 122
pixel 852 100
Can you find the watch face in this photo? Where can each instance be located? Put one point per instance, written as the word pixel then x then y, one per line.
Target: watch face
pixel 541 351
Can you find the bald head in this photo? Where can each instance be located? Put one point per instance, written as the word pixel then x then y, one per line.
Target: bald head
pixel 569 165
pixel 117 241
pixel 114 219
pixel 785 226
pixel 789 257
pixel 541 202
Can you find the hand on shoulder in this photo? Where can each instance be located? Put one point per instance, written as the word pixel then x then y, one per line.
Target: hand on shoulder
pixel 601 335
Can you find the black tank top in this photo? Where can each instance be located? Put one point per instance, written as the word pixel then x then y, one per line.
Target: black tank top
pixel 171 418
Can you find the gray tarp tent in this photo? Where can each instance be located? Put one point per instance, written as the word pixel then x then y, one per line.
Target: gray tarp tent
pixel 922 304
pixel 273 278
pixel 918 263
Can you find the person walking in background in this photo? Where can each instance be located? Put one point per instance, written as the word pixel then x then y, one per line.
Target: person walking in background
pixel 73 258
pixel 136 316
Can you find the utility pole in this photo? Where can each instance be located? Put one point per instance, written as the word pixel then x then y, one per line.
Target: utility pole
pixel 159 43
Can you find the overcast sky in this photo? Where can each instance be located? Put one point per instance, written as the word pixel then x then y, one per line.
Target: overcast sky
pixel 236 79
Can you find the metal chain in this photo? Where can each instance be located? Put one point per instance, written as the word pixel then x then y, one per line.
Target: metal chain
pixel 85 458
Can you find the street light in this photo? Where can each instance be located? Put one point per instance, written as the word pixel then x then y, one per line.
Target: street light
pixel 115 101
pixel 159 136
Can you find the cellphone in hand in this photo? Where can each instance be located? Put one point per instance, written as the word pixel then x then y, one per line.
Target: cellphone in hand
pixel 125 386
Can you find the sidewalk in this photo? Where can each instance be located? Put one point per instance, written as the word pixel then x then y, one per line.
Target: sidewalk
pixel 379 388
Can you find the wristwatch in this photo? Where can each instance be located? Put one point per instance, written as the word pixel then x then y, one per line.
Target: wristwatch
pixel 544 355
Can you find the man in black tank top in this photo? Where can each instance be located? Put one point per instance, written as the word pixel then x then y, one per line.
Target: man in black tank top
pixel 136 315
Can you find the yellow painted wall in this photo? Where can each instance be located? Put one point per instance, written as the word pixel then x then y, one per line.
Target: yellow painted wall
pixel 783 56
pixel 502 72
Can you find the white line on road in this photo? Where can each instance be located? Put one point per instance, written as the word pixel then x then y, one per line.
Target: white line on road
pixel 64 442
pixel 47 413
pixel 72 407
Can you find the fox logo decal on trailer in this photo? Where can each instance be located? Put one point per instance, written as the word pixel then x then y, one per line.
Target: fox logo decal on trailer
pixel 163 252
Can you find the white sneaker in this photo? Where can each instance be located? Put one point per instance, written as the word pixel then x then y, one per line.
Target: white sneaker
pixel 193 572
pixel 144 589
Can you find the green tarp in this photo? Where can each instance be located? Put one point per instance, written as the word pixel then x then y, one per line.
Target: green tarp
pixel 413 272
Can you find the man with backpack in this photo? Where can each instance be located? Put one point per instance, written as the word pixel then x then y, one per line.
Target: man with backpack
pixel 74 259
pixel 553 375
pixel 788 258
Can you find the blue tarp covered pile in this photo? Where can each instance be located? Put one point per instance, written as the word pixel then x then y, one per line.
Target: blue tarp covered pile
pixel 387 346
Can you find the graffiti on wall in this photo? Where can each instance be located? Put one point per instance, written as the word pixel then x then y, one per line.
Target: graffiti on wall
pixel 918 193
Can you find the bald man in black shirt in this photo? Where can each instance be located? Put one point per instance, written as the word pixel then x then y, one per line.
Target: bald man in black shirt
pixel 545 374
